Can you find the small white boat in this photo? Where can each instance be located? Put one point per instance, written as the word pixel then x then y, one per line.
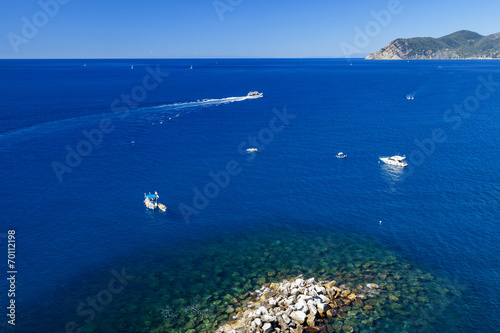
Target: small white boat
pixel 191 67
pixel 132 67
pixel 341 155
pixel 254 94
pixel 162 207
pixel 252 150
pixel 395 160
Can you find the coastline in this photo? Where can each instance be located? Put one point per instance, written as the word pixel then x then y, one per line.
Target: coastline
pixel 434 59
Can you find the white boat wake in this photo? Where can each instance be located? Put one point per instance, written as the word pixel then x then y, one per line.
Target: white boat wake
pixel 202 103
pixel 411 95
pixel 158 114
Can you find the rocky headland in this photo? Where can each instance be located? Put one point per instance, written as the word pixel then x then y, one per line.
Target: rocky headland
pixel 462 44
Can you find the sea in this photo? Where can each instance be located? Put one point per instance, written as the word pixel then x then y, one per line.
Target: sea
pixel 82 141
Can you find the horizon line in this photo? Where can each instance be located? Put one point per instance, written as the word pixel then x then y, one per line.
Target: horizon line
pixel 202 58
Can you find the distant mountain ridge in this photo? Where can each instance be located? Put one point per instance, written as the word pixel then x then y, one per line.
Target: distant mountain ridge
pixel 462 44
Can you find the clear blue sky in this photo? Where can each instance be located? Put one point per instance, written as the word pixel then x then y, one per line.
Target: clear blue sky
pixel 252 28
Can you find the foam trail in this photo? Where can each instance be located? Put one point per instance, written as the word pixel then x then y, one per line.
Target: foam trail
pixel 411 95
pixel 202 103
pixel 61 124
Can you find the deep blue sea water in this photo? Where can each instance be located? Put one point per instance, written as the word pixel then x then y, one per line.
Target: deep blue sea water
pixel 441 213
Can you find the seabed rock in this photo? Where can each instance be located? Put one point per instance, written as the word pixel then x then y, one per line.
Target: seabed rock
pixel 295 305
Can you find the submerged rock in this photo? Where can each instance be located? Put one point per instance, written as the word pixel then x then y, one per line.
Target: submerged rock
pixel 347 329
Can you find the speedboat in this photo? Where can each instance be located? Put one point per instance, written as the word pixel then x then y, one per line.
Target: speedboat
pixel 341 155
pixel 395 160
pixel 254 94
pixel 252 150
pixel 151 200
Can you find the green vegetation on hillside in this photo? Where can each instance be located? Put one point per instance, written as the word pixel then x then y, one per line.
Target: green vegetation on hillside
pixel 462 44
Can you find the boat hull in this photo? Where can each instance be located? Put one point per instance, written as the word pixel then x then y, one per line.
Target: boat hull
pixel 255 96
pixel 390 161
pixel 150 205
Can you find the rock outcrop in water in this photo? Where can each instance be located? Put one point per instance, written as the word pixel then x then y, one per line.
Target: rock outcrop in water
pixel 218 284
pixel 298 305
pixel 458 45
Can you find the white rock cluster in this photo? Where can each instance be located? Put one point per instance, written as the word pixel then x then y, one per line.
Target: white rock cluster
pixel 288 307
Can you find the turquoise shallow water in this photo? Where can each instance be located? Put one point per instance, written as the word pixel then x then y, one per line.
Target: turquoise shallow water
pixel 201 286
pixel 439 215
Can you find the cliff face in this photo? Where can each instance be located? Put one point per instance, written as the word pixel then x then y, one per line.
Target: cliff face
pixel 459 45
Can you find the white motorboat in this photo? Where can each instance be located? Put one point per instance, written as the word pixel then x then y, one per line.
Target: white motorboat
pixel 395 160
pixel 341 155
pixel 254 94
pixel 252 150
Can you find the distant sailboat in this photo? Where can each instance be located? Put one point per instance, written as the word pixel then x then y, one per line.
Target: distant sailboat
pixel 85 65
pixel 132 67
pixel 191 67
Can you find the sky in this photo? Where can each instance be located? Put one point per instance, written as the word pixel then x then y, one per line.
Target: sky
pixel 87 29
